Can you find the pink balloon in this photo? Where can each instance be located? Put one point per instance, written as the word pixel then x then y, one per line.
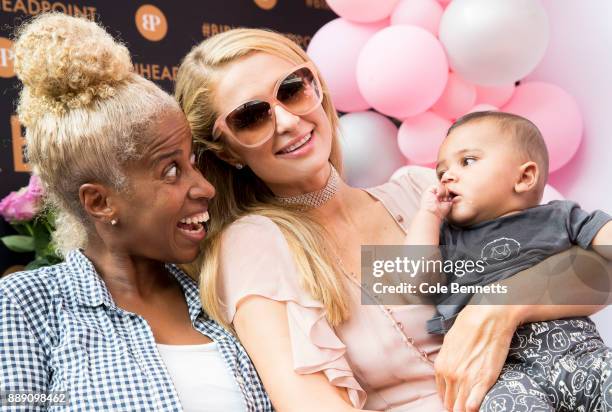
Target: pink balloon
pixel 457 98
pixel 335 48
pixel 444 3
pixel 422 13
pixel 484 108
pixel 420 137
pixel 362 11
pixel 556 114
pixel 495 95
pixel 550 194
pixel 402 71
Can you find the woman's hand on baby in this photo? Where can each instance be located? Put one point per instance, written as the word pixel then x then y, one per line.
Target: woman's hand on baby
pixel 472 355
pixel 435 199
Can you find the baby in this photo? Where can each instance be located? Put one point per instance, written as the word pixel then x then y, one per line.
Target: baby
pixel 492 168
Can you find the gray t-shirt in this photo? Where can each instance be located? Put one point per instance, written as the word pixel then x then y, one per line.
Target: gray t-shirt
pixel 509 245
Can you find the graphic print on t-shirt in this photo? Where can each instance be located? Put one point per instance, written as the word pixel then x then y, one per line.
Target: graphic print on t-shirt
pixel 501 249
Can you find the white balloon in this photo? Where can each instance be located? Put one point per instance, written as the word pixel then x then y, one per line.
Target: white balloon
pixel 369 148
pixel 494 42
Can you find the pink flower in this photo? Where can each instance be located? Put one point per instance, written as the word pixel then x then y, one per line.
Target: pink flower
pixel 35 187
pixel 24 204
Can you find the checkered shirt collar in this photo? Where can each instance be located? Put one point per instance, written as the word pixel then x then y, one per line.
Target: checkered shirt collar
pixel 90 290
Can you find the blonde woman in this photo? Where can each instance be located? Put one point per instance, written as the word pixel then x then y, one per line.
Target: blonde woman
pixel 113 328
pixel 281 262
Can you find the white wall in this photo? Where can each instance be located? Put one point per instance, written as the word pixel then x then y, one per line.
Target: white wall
pixel 579 59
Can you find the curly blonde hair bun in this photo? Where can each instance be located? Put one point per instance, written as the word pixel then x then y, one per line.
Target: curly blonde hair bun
pixel 66 62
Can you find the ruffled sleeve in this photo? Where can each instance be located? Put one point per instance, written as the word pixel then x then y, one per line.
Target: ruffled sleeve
pixel 256 261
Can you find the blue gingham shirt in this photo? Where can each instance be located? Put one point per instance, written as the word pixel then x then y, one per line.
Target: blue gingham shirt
pixel 61 331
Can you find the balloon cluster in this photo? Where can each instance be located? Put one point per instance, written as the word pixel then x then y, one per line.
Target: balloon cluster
pixel 428 62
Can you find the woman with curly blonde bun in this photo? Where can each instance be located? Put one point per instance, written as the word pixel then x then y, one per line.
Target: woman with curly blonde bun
pixel 282 260
pixel 117 326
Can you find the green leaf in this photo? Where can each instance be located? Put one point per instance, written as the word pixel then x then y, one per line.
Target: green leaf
pixel 53 259
pixel 37 263
pixel 49 250
pixel 50 254
pixel 19 243
pixel 42 237
pixel 21 229
pixel 50 218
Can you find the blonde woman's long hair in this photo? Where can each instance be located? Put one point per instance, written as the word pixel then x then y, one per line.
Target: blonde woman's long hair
pixel 85 111
pixel 240 193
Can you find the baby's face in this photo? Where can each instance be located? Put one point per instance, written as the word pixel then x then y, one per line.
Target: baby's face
pixel 479 168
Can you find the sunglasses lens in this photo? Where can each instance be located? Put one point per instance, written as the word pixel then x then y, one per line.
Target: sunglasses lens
pixel 299 92
pixel 251 121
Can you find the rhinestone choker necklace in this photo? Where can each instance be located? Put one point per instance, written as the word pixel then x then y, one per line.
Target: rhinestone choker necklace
pixel 316 199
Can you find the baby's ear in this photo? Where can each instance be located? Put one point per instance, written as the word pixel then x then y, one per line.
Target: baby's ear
pixel 528 177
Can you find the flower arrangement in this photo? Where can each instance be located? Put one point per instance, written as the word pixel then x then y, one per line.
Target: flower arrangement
pixel 34 224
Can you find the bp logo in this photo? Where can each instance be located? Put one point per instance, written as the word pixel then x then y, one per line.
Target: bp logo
pixel 499 250
pixel 266 4
pixel 151 22
pixel 20 155
pixel 6 58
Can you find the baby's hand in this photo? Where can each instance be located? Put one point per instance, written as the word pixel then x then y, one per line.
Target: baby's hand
pixel 435 200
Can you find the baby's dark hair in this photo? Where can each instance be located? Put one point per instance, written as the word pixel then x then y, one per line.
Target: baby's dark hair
pixel 526 138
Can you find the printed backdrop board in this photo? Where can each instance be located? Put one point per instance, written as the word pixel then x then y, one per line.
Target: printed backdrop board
pixel 157 33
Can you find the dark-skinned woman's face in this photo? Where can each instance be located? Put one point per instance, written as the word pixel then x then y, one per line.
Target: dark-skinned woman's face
pixel 163 214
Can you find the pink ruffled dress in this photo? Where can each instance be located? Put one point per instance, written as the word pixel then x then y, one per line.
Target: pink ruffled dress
pixel 367 355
